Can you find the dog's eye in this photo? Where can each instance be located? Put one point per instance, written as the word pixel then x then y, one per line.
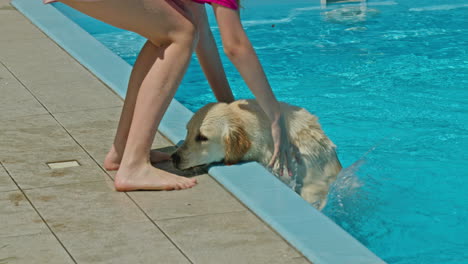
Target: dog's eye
pixel 201 138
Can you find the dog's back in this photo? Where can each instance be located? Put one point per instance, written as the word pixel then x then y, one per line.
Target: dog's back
pixel 319 164
pixel 318 154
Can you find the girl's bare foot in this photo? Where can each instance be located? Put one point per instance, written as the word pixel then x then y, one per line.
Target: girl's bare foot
pixel 113 159
pixel 146 177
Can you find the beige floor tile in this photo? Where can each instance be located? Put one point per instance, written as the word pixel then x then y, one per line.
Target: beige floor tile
pixel 102 125
pixel 29 143
pixel 122 243
pixel 93 129
pixel 85 206
pixel 9 14
pixel 41 61
pixel 39 248
pixel 6 183
pixel 207 197
pixel 16 101
pixel 57 80
pixel 15 26
pixel 18 217
pixel 74 96
pixel 5 5
pixel 228 238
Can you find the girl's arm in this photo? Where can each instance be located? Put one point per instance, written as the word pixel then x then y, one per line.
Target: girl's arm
pixel 240 51
pixel 208 56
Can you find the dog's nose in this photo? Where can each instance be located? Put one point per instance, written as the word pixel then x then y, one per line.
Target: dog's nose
pixel 175 159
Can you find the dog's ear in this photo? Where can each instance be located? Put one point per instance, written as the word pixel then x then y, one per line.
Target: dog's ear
pixel 237 144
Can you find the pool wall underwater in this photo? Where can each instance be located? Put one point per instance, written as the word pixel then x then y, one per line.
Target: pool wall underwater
pixel 308 230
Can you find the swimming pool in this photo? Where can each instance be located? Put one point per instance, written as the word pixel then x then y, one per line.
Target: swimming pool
pixel 390 91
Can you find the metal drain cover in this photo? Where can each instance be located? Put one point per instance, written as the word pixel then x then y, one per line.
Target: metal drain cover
pixel 63 164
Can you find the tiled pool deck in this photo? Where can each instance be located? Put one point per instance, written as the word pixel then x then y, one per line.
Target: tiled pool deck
pixel 53 109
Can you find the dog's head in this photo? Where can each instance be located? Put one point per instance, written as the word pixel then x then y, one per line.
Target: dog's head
pixel 214 134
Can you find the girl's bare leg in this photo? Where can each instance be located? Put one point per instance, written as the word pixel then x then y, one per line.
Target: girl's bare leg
pixel 168 26
pixel 146 58
pixel 210 62
pixel 151 105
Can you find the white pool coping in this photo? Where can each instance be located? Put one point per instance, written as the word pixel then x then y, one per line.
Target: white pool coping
pixel 308 230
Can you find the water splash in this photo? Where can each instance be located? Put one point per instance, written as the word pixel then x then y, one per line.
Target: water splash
pixel 344 192
pixel 345 187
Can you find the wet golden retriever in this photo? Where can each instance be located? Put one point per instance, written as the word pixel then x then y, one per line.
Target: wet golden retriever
pixel 240 131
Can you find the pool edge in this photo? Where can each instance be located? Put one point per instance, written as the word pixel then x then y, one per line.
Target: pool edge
pixel 266 196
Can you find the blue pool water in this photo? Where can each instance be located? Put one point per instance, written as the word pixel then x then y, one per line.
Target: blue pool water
pixel 390 89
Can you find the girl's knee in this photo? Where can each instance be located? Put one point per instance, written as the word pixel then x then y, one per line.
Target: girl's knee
pixel 183 33
pixel 187 35
pixel 236 48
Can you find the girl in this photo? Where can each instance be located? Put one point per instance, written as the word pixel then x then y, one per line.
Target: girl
pixel 171 30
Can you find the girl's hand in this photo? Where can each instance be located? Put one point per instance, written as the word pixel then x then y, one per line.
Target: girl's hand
pixel 284 152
